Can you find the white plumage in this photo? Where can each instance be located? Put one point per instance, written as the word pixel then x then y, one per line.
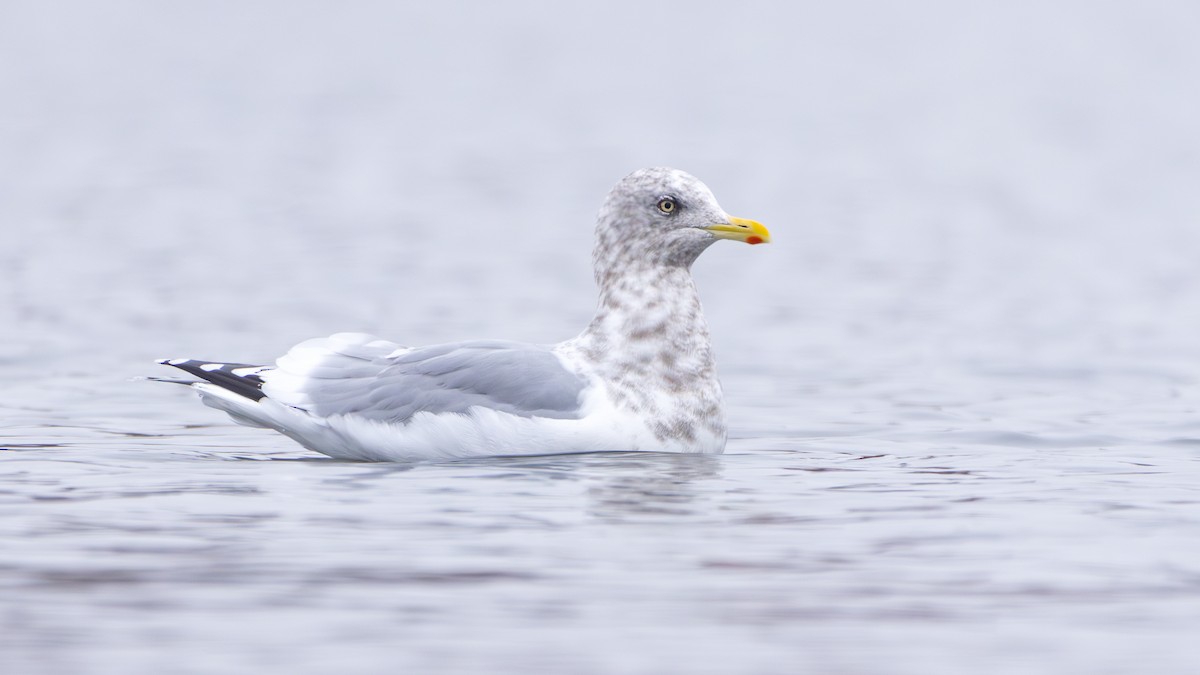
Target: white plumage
pixel 641 376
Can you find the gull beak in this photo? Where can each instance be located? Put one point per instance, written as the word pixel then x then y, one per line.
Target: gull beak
pixel 740 229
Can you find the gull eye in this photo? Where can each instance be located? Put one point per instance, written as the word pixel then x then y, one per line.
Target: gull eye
pixel 668 205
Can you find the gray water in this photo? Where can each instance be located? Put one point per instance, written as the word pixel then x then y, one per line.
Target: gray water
pixel 963 383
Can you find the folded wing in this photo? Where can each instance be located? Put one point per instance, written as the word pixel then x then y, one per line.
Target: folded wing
pixel 355 374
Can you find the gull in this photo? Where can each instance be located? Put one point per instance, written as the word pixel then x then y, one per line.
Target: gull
pixel 640 377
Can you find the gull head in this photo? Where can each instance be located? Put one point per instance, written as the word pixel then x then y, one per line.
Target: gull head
pixel 664 217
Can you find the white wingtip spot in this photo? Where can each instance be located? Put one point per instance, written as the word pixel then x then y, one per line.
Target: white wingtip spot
pixel 209 367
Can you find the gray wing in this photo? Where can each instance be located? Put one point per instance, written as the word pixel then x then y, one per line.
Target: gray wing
pixel 346 374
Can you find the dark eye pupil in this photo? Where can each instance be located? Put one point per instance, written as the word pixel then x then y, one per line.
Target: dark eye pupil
pixel 666 205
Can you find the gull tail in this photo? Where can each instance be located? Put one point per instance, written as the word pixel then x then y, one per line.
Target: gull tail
pixel 242 379
pixel 235 388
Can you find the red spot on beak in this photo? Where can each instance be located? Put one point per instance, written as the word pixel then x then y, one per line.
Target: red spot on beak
pixel 753 240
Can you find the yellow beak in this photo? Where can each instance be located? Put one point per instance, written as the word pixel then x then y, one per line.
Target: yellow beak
pixel 740 229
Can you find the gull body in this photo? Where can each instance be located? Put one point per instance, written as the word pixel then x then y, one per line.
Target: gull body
pixel 640 377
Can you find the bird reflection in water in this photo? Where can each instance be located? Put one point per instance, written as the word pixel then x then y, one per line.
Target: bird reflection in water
pixel 650 484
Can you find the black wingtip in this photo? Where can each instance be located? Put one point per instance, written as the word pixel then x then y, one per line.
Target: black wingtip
pixel 168 380
pixel 247 383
